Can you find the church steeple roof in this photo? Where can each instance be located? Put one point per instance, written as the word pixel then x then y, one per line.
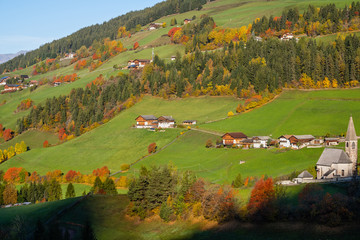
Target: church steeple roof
pixel 351 134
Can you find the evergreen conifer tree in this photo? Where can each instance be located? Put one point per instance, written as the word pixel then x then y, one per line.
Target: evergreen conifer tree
pixel 70 191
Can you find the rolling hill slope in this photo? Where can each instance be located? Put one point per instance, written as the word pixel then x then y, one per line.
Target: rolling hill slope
pixel 115 143
pixel 298 112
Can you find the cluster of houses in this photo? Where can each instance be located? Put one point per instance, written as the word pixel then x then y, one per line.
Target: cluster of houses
pixel 239 139
pixel 17 86
pixel 138 63
pixel 150 121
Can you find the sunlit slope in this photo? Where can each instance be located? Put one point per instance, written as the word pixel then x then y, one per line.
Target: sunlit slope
pixel 298 112
pixel 7 116
pixel 221 165
pixel 115 142
pixel 32 138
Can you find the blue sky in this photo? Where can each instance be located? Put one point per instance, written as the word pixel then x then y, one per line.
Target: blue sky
pixel 25 25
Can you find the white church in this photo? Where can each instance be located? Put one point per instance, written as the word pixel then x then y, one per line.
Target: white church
pixel 335 163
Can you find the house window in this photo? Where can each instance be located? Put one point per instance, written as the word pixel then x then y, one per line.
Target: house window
pixel 353 145
pixel 343 172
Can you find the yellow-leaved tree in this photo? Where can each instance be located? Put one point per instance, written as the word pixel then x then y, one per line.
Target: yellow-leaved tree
pixel 326 83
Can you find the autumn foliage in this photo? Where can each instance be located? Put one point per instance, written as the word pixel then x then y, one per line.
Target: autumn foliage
pixel 15 174
pixel 152 148
pixel 101 172
pixel 24 105
pixel 136 45
pixel 262 196
pixel 8 134
pixel 46 144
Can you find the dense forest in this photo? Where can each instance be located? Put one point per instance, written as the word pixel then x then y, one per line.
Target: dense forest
pixel 87 35
pixel 314 21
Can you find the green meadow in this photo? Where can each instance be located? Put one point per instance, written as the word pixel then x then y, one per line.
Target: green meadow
pixel 221 165
pixel 298 112
pixel 32 138
pixel 116 142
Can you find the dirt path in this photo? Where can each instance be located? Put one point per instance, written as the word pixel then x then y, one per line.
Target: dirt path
pixel 208 131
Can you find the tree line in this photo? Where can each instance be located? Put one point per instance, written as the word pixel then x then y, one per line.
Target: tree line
pixel 86 36
pixel 314 21
pixel 172 195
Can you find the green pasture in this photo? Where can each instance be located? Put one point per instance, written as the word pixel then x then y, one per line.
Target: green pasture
pixel 327 39
pixel 298 112
pixel 221 165
pixel 32 138
pixel 116 142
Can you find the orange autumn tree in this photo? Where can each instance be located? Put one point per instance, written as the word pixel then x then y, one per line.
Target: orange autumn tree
pixel 101 172
pixel 262 198
pixel 7 134
pixel 15 174
pixel 152 148
pixel 136 45
pixel 46 144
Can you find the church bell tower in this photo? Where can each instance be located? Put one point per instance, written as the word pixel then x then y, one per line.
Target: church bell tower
pixel 351 143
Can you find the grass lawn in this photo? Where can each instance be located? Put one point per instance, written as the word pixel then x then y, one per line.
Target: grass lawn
pixel 222 165
pixel 32 138
pixel 298 112
pixel 115 142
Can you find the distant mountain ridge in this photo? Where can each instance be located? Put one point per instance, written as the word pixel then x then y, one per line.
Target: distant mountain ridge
pixel 6 57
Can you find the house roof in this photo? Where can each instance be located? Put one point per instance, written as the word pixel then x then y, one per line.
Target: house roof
pixel 5 77
pixel 329 172
pixel 12 85
pixel 302 137
pixel 169 118
pixel 236 135
pixel 286 136
pixel 333 156
pixel 247 141
pixel 305 174
pixel 142 60
pixel 262 137
pixel 148 117
pixel 332 139
pixel 351 134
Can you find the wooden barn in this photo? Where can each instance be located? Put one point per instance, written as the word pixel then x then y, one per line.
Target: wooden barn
pixel 233 138
pixel 146 121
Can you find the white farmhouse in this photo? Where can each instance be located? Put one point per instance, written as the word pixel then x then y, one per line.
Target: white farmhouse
pixel 166 122
pixel 260 141
pixel 284 141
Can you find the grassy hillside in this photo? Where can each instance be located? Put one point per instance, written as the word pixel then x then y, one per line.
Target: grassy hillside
pixel 32 138
pixel 116 142
pixel 298 112
pixel 222 165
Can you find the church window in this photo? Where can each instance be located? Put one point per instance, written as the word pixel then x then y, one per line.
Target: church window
pixel 347 144
pixel 353 145
pixel 342 172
